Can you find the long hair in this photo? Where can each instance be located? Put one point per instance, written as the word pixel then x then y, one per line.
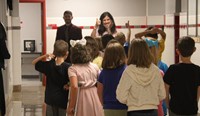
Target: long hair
pixel 139 54
pixel 92 46
pixel 102 29
pixel 114 55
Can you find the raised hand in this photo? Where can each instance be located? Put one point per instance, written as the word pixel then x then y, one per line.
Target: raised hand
pixel 98 22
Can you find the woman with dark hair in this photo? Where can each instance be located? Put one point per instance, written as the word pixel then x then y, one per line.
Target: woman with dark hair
pixel 106 25
pixel 83 73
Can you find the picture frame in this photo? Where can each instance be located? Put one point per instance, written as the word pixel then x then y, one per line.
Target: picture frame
pixel 29 45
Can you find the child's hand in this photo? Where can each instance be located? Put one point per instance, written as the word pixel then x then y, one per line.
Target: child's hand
pixel 66 87
pixel 70 111
pixel 154 30
pixel 127 25
pixel 50 56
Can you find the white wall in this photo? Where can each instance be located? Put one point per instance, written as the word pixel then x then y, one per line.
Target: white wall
pixel 156 7
pixel 30 24
pixel 86 13
pixel 94 8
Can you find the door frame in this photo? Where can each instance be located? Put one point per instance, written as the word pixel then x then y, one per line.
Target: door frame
pixel 43 21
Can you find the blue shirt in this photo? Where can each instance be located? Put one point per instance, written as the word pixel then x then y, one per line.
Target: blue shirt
pixel 110 79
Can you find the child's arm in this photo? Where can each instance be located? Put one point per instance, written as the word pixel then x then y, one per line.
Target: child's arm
pixel 167 95
pixel 42 57
pixel 129 33
pixel 73 95
pixel 100 91
pixel 140 34
pixel 156 30
pixel 198 93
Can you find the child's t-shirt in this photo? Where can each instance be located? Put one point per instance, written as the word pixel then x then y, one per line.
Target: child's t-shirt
pixel 57 77
pixel 184 80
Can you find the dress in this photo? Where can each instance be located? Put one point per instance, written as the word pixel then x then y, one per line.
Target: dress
pixel 88 101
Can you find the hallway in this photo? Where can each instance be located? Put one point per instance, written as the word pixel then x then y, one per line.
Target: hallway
pixel 29 101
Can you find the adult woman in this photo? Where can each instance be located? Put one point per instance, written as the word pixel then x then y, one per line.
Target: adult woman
pixel 106 25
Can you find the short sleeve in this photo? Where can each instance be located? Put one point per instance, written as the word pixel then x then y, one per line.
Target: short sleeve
pixel 100 79
pixel 168 76
pixel 72 72
pixel 42 66
pixel 198 76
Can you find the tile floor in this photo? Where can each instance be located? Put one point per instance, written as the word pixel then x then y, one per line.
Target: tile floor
pixel 28 102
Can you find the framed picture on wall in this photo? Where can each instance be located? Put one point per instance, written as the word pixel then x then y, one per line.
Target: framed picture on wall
pixel 29 45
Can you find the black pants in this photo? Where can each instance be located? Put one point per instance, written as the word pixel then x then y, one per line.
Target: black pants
pixel 2 97
pixel 143 113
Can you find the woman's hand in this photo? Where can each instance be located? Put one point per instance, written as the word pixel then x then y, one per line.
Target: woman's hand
pixel 98 22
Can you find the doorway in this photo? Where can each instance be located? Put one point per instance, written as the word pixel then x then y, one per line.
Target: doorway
pixel 33 28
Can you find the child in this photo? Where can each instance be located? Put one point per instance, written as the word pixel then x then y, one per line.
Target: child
pixel 57 76
pixel 153 46
pixel 94 51
pixel 113 66
pixel 141 86
pixel 84 72
pixel 151 33
pixel 182 81
pixel 123 40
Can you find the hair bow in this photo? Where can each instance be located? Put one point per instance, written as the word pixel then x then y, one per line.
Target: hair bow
pixel 151 43
pixel 74 42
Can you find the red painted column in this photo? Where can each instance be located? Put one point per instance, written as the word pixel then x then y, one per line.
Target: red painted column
pixel 176 35
pixel 43 7
pixel 176 27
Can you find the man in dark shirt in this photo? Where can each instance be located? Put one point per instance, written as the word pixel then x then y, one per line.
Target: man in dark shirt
pixel 68 31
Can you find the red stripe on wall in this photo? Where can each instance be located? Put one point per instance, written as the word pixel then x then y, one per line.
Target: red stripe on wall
pixel 54 26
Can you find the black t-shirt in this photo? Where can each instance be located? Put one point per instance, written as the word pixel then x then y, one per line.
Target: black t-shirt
pixel 183 80
pixel 57 77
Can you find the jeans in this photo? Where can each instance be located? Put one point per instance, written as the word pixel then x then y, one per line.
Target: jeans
pixel 55 111
pixel 153 112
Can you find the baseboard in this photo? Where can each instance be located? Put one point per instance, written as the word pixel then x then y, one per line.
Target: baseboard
pixel 17 88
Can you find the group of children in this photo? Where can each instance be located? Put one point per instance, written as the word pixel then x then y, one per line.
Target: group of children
pixel 111 76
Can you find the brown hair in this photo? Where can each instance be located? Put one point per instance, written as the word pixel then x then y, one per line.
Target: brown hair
pixel 121 38
pixel 60 48
pixel 92 46
pixel 139 54
pixel 99 42
pixel 154 52
pixel 186 46
pixel 79 54
pixel 114 55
